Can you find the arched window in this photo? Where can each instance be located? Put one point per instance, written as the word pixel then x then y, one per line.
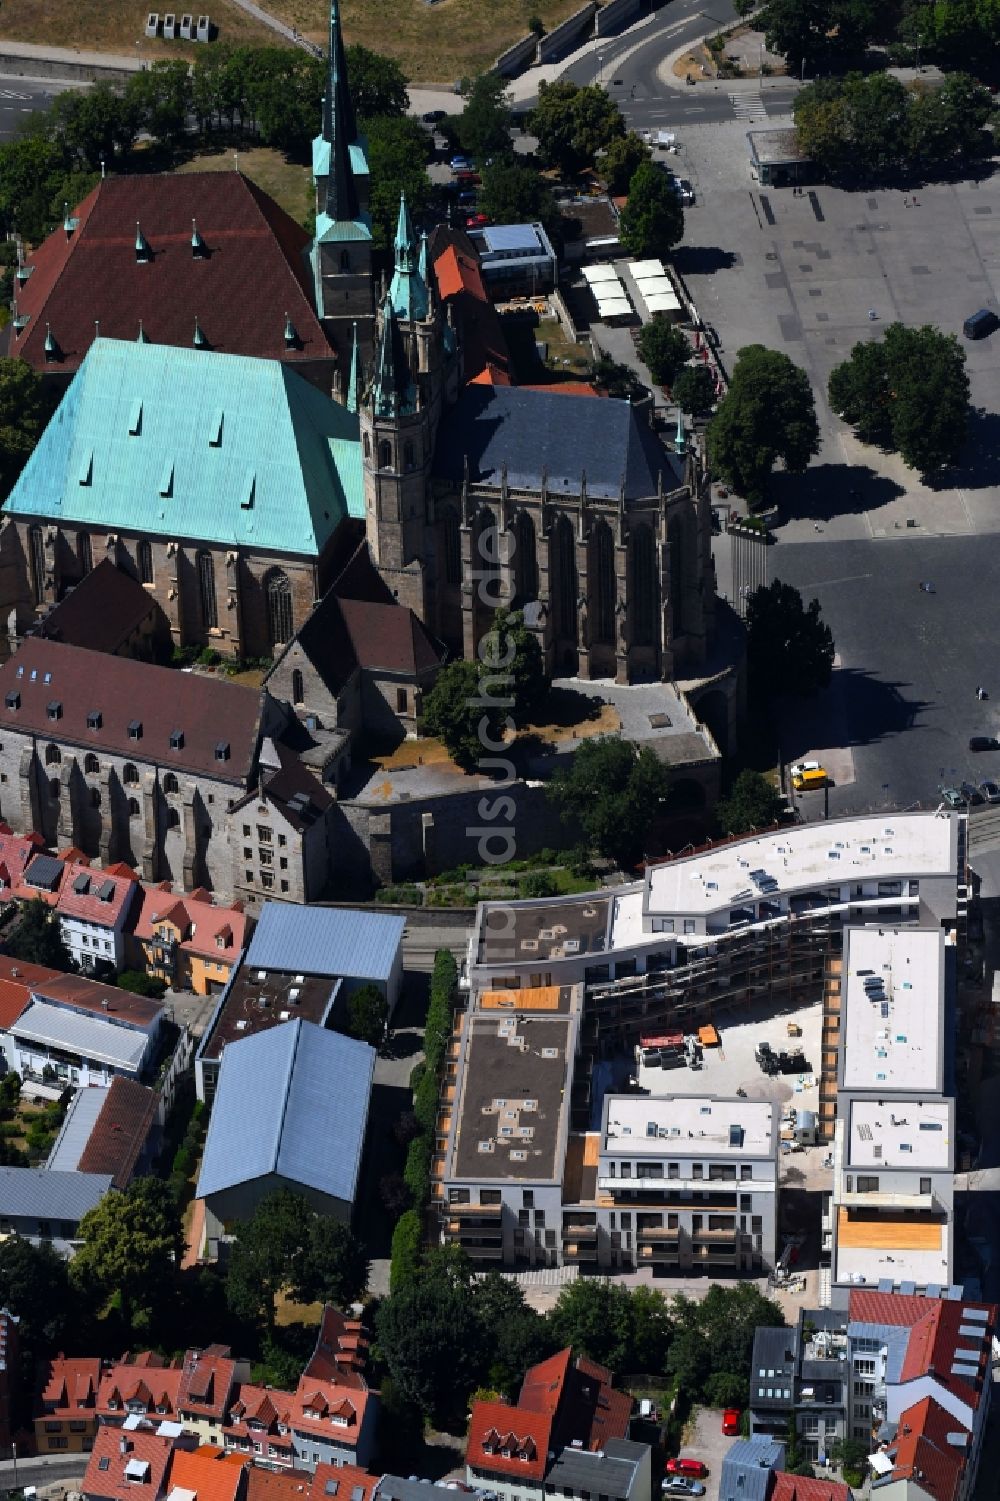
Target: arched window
pixel 408 460
pixel 525 559
pixel 562 572
pixel 385 454
pixel 95 797
pixel 601 568
pixel 675 541
pixel 84 552
pixel 144 557
pixel 170 782
pixel 173 818
pixel 53 755
pixel 133 808
pixel 36 557
pixel 279 607
pixel 345 261
pixel 129 773
pixel 452 546
pixel 487 558
pixel 54 789
pixel 644 592
pixel 91 764
pixel 206 588
pixel 298 688
pixel 368 447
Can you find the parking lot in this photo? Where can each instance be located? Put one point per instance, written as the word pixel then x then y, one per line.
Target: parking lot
pixel 705 1440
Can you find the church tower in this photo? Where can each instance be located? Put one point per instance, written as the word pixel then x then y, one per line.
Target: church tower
pixel 341 252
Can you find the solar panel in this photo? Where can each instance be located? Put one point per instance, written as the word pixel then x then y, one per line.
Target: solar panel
pixel 976 1315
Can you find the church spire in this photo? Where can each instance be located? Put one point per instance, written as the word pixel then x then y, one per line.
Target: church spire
pixel 394 393
pixel 408 291
pixel 340 127
pixel 354 381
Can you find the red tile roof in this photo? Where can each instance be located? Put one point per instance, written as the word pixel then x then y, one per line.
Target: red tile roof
pixel 484 349
pixel 98 999
pixel 343 1483
pixel 936 1343
pixel 207 1388
pixel 211 1472
pixel 201 923
pixel 802 1488
pixel 95 896
pixel 510 1441
pixel 922 1445
pixel 542 1387
pixel 584 1406
pixel 16 979
pixel 341 1352
pixel 69 1386
pixel 120 1132
pixel 207 710
pixel 329 1408
pixel 254 273
pixel 16 853
pixel 278 1485
pixel 895 1309
pixel 568 388
pixel 156 1388
pixel 113 1451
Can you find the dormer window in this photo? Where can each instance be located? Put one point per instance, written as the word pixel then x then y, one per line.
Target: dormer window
pixel 54 709
pixel 94 719
pixel 13 701
pixel 176 740
pixel 222 750
pixel 135 729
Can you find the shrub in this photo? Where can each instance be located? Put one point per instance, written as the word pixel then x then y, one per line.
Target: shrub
pixel 417 1172
pixel 537 883
pixel 407 1243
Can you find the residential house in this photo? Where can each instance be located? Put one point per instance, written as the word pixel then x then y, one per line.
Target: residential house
pixel 327 1483
pixel 748 1469
pixel 109 1129
pixel 16 980
pixel 132 1464
pixel 804 1488
pixel 93 908
pixel 40 1205
pixel 78 1031
pixel 187 941
pixel 210 1379
pixel 65 1417
pixel 144 1386
pixel 208 1473
pixel 307 1085
pixel 9 1376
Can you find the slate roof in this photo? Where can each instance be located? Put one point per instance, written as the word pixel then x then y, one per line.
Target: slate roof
pixel 99 613
pixel 611 1471
pixel 207 710
pixel 189 444
pixel 535 433
pixel 292 1101
pixel 343 634
pixel 255 272
pixel 38 1193
pixel 325 941
pixel 121 1131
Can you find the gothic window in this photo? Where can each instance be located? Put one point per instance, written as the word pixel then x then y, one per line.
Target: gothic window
pixel 36 552
pixel 675 540
pixel 95 797
pixel 487 558
pixel 345 261
pixel 368 447
pixel 133 808
pixel 644 590
pixel 170 782
pixel 408 460
pixel 279 607
pixel 52 755
pixel 84 552
pixel 525 559
pixel 601 567
pixel 562 569
pixel 54 788
pixel 385 454
pixel 129 774
pixel 144 555
pixel 173 818
pixel 91 764
pixel 298 688
pixel 206 588
pixel 452 547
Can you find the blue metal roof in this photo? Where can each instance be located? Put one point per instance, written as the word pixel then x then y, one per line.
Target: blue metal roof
pixel 291 1101
pixel 334 941
pixel 41 1194
pixel 186 443
pixel 746 1469
pixel 512 237
pixel 75 1132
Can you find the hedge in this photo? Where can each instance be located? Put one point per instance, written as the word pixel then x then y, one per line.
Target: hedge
pixel 417 1172
pixel 407 1250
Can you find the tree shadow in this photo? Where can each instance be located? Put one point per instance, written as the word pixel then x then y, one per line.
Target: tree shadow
pixel 979 465
pixel 829 490
pixel 702 260
pixel 857 708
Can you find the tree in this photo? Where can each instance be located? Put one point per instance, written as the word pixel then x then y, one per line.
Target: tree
pixel 767 414
pixel 827 32
pixel 333 1265
pixel 513 1334
pixel 652 221
pixel 130 1245
pixel 623 158
pixel 37 939
pixel 630 1331
pixel 395 1195
pixel 713 1338
pixel 162 96
pixel 378 83
pixel 398 149
pixel 367 1015
pixel 753 803
pixel 24 410
pixel 512 193
pixel 694 390
pixel 34 1284
pixel 663 349
pixel 612 793
pixel 858 389
pixel 407 1245
pixel 456 713
pixel 511 663
pixel 139 983
pixel 483 127
pixel 267 1250
pixel 429 1336
pixel 574 122
pixel 789 648
pixel 620 381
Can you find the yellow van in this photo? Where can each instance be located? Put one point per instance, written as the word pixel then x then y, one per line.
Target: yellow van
pixel 808 779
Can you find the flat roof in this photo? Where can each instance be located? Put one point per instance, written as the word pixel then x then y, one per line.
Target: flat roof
pixel 256 999
pixel 904 1247
pixel 892 1010
pixel 656 1125
pixel 87 1036
pixel 518 932
pixel 812 854
pixel 899 1134
pixel 772 147
pixel 512 1097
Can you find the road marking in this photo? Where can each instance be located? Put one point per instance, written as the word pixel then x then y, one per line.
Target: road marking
pixel 849 578
pixel 748 107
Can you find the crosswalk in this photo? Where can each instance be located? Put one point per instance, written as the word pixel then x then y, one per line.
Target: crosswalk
pixel 13 94
pixel 749 107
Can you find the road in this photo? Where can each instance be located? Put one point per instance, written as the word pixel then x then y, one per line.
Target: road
pixel 55 1469
pixel 21 97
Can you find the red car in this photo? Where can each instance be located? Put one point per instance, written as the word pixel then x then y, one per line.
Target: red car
pixel 476 221
pixel 693 1467
pixel 731 1420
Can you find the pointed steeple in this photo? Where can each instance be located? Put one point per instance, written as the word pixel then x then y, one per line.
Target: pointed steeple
pixel 198 247
pixel 408 291
pixel 142 250
pixel 355 378
pixel 680 438
pixel 340 128
pixel 199 341
pixel 393 394
pixel 292 340
pixel 52 350
pixel 142 337
pixel 423 262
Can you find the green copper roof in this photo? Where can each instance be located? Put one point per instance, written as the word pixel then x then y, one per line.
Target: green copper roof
pixel 186 443
pixel 333 231
pixel 357 152
pixel 407 291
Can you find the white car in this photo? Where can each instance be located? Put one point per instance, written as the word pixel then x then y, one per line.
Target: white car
pixel 801 767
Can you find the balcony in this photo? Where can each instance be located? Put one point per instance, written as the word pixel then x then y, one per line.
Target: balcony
pixel 658 1233
pixel 714 1236
pixel 574 1251
pixel 468 1212
pixel 579 1232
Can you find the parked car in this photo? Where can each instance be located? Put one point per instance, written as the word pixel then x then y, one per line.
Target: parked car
pixel 731 1420
pixel 695 1469
pixel 971 793
pixel 990 791
pixel 461 164
pixel 952 797
pixel 434 115
pixel 983 743
pixel 680 1485
pixel 799 768
pixel 476 221
pixel 981 324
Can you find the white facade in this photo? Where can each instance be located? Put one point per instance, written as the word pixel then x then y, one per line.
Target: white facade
pixel 89 942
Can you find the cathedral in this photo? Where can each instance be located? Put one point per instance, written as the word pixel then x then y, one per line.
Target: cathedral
pixel 469 490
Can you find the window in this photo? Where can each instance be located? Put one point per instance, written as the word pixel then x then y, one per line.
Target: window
pixel 266 880
pixel 53 755
pixel 673 1169
pixel 697 1170
pixel 173 818
pixel 284 885
pixel 721 1172
pixel 746 1201
pixel 95 797
pixel 36 558
pixel 925 1185
pixel 263 833
pixel 133 808
pixel 84 552
pixel 170 783
pixel 746 1171
pixel 452 546
pixel 206 589
pixel 385 454
pixel 246 831
pixel 867 1185
pixel 401 701
pixel 54 788
pixel 279 607
pixel 144 559
pixel 298 688
pixel 129 774
pixel 345 261
pixel 266 856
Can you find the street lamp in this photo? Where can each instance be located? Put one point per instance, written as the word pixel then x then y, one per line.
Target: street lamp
pixel 600 69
